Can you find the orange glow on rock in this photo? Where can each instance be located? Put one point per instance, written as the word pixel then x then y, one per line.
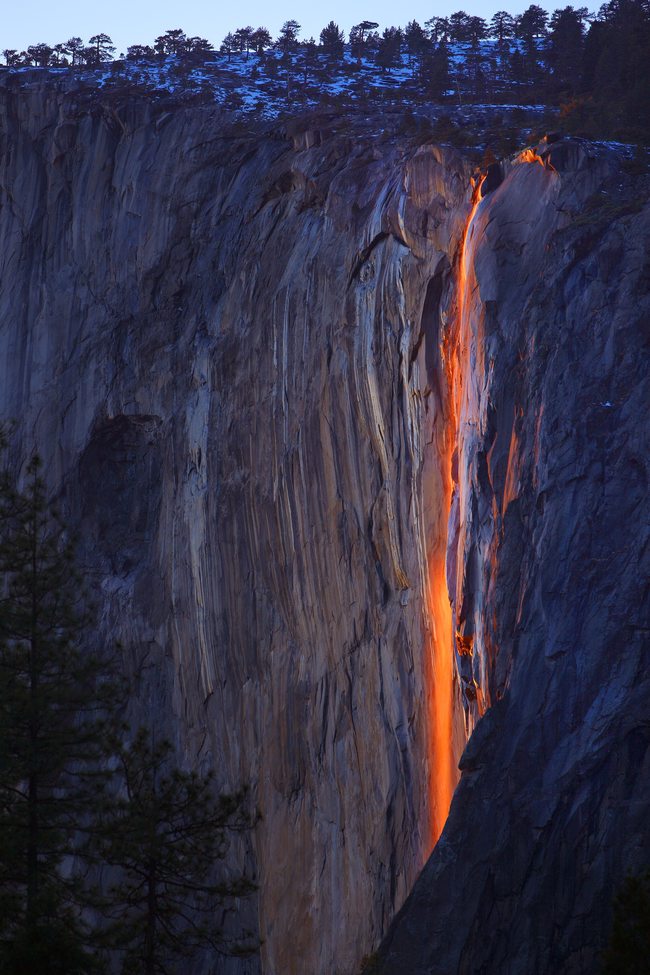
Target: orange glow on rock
pixel 462 324
pixel 443 774
pixel 530 156
pixel 511 490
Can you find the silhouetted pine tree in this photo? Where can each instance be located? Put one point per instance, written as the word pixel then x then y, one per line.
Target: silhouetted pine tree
pixel 628 950
pixel 164 834
pixel 56 702
pixel 332 40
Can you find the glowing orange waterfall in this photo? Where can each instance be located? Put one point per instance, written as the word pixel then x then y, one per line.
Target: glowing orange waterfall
pixel 459 363
pixel 443 770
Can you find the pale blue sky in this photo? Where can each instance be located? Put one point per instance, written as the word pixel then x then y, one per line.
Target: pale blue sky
pixel 140 21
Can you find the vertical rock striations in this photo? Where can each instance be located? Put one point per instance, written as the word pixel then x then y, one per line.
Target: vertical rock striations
pixel 224 348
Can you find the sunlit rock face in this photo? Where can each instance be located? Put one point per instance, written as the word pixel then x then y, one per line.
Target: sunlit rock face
pixel 549 551
pixel 350 473
pixel 220 346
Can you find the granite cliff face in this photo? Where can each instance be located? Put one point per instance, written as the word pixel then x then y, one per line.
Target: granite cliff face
pixel 350 473
pixel 215 342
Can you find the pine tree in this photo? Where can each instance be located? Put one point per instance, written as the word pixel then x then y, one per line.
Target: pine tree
pixel 171 43
pixel 566 43
pixel 416 41
pixel 531 24
pixel 103 48
pixel 332 40
pixel 243 39
pixel 163 835
pixel 228 45
pixel 309 59
pixel 390 46
pixel 140 52
pixel 55 703
pixel 438 29
pixel 288 39
pixel 39 54
pixel 435 71
pixel 260 40
pixel 502 28
pixel 359 35
pixel 459 26
pixel 477 31
pixel 74 46
pixel 629 944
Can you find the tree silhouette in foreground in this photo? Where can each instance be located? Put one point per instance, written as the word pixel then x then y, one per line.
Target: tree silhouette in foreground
pixel 55 703
pixel 629 945
pixel 164 835
pixel 74 798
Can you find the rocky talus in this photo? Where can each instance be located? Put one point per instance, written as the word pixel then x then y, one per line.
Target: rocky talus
pixel 330 448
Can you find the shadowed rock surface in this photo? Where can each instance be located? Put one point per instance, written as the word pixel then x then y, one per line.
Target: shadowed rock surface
pixel 244 357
